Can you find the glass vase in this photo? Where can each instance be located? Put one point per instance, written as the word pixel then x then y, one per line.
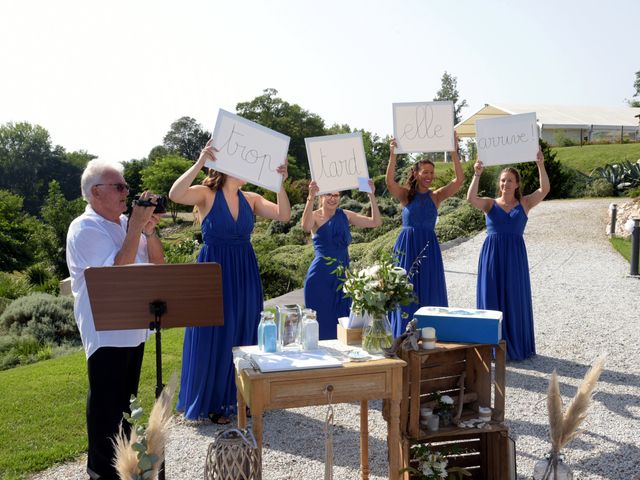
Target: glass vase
pixel 446 417
pixel 543 471
pixel 376 333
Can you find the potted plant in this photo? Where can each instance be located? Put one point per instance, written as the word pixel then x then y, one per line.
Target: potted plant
pixel 374 292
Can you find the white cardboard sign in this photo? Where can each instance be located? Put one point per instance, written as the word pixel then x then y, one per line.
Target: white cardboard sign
pixel 423 126
pixel 248 151
pixel 336 161
pixel 508 139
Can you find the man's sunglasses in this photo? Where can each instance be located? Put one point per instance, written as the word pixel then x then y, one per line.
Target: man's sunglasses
pixel 121 187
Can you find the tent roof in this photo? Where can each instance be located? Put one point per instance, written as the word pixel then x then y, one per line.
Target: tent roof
pixel 556 116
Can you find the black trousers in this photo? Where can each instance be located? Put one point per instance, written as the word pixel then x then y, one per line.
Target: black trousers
pixel 114 374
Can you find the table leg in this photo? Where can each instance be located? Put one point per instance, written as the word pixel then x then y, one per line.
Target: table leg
pixel 364 439
pixel 242 410
pixel 393 427
pixel 256 421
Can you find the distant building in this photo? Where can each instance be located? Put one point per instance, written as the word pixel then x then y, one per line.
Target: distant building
pixel 567 125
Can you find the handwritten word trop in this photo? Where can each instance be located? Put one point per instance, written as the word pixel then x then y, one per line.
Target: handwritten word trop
pixel 338 168
pixel 235 149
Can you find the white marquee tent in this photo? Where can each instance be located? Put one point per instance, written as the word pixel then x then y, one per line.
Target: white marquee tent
pixel 559 123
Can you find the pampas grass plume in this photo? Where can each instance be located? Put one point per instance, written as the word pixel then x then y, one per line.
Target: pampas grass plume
pixel 126 459
pixel 554 406
pixel 577 410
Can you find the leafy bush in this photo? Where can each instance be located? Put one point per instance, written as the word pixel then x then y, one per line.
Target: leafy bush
pixel 14 285
pixel 633 192
pixel 352 204
pixel 42 316
pixel 185 251
pixel 599 188
pixel 4 303
pixel 450 205
pixel 22 350
pixel 462 222
pixel 284 227
pixel 42 279
pixel 559 175
pixel 283 269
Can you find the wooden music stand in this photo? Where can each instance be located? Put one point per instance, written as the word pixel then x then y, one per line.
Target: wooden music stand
pixel 175 295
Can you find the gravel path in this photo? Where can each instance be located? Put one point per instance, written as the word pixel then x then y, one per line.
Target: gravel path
pixel 584 304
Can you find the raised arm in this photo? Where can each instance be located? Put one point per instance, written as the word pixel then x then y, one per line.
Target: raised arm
pixel 482 203
pixel 182 191
pixel 397 191
pixel 454 185
pixel 531 200
pixel 372 221
pixel 281 210
pixel 307 215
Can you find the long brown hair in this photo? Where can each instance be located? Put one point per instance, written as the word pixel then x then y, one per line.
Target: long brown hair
pixel 214 180
pixel 411 181
pixel 516 173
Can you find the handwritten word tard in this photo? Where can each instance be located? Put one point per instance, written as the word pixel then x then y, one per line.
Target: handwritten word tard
pixel 423 126
pixel 338 168
pixel 234 148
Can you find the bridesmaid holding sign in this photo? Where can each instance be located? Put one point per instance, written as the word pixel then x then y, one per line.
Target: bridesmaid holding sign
pixel 417 248
pixel 503 268
pixel 329 226
pixel 207 384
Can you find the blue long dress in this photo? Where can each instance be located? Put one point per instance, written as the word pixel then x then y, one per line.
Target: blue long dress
pixel 207 384
pixel 321 286
pixel 418 238
pixel 503 279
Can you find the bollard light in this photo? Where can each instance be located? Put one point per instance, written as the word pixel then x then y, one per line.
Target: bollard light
pixel 613 208
pixel 635 246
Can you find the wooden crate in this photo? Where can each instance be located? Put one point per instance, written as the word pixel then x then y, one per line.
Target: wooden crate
pixel 428 371
pixel 486 454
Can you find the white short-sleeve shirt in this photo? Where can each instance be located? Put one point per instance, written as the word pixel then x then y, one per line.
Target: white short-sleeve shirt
pixel 94 241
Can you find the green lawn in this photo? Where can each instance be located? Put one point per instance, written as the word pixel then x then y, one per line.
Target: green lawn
pixel 623 246
pixel 585 159
pixel 42 419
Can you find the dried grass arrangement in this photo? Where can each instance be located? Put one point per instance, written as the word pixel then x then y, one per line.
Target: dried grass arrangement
pixel 139 457
pixel 563 426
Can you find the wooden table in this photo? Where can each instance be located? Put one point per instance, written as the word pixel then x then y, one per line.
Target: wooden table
pixel 352 382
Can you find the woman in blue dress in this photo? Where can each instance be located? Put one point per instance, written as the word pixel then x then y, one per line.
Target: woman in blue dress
pixel 207 384
pixel 329 226
pixel 417 249
pixel 503 268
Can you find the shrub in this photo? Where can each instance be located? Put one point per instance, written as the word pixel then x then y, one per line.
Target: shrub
pixel 22 350
pixel 284 269
pixel 284 227
pixel 633 192
pixel 185 251
pixel 352 204
pixel 42 316
pixel 462 222
pixel 14 285
pixel 4 303
pixel 600 188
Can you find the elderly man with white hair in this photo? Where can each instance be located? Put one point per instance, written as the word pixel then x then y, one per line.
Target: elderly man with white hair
pixel 103 236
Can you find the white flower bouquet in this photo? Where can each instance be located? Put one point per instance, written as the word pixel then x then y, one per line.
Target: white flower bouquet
pixel 375 291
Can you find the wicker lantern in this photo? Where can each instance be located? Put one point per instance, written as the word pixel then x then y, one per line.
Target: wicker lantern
pixel 233 455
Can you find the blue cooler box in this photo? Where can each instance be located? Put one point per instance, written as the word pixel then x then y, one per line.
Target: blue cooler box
pixel 465 325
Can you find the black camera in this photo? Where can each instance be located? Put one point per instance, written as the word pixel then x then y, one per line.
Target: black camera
pixel 160 203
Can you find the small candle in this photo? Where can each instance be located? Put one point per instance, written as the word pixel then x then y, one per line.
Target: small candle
pixel 429 333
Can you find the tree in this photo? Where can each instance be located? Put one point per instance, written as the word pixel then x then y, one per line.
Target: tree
pixel 28 162
pixel 635 101
pixel 133 174
pixel 159 177
pixel 16 252
pixel 449 91
pixel 558 175
pixel 292 120
pixel 57 213
pixel 79 158
pixel 186 138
